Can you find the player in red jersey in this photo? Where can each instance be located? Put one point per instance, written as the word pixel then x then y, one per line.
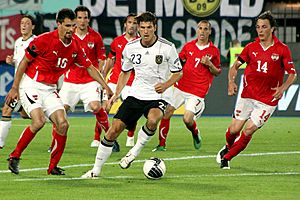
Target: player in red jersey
pixel 78 84
pixel 267 60
pixel 47 57
pixel 114 64
pixel 202 63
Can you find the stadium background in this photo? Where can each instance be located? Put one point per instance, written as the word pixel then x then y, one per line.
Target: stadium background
pixel 232 19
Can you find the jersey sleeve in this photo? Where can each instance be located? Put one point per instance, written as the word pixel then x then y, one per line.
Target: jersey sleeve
pixel 101 51
pixel 36 47
pixel 174 62
pixel 216 59
pixel 244 56
pixel 112 52
pixel 127 64
pixel 288 61
pixel 182 53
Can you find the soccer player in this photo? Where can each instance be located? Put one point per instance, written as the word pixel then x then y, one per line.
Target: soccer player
pixel 78 84
pixel 267 61
pixel 114 64
pixel 27 25
pixel 201 63
pixel 46 58
pixel 152 58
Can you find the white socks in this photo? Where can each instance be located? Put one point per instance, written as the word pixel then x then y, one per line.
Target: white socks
pixel 4 129
pixel 102 155
pixel 142 140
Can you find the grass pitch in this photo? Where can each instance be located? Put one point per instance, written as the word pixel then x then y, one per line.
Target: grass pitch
pixel 268 169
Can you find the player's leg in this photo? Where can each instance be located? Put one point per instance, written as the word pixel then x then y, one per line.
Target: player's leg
pixel 5 124
pixel 164 128
pixel 55 111
pixel 154 112
pixel 194 106
pixel 37 122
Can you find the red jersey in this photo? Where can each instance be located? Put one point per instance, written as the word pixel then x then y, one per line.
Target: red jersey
pixel 94 48
pixel 197 78
pixel 265 70
pixel 50 57
pixel 116 49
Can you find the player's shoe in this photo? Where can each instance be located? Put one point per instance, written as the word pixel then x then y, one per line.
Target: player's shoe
pixel 224 150
pixel 159 148
pixel 90 175
pixel 116 147
pixel 49 150
pixel 224 164
pixel 13 164
pixel 197 141
pixel 127 160
pixel 95 143
pixel 57 171
pixel 130 142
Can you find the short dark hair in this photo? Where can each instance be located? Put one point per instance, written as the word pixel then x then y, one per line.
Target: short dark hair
pixel 83 9
pixel 29 17
pixel 65 13
pixel 205 22
pixel 129 15
pixel 146 17
pixel 267 15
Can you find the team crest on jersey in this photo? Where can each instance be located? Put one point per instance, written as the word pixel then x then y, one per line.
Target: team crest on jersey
pixel 274 56
pixel 91 45
pixel 74 55
pixel 158 59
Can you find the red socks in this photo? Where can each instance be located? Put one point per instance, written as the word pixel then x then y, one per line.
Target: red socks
pixel 230 138
pixel 163 131
pixel 23 142
pixel 193 128
pixel 131 131
pixel 238 146
pixel 59 143
pixel 102 118
pixel 98 130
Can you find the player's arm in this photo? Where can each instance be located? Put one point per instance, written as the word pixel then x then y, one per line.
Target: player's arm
pixel 95 74
pixel 161 87
pixel 108 66
pixel 14 91
pixel 232 73
pixel 122 80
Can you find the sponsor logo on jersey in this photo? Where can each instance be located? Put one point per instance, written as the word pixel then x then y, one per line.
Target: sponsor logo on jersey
pixel 158 59
pixel 254 53
pixel 274 56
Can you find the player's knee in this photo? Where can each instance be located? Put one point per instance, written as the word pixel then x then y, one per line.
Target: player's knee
pixel 95 106
pixel 152 124
pixel 37 124
pixel 63 127
pixel 188 120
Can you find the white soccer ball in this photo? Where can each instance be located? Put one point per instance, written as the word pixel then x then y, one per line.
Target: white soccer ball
pixel 154 168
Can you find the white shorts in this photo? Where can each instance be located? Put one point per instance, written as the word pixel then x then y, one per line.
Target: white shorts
pixel 72 93
pixel 38 95
pixel 191 102
pixel 124 94
pixel 257 111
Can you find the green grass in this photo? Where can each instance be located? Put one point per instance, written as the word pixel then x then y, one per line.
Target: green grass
pixel 191 174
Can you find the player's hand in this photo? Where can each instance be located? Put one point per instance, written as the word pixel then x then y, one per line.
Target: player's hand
pixel 278 92
pixel 205 60
pixel 232 88
pixel 111 101
pixel 12 95
pixel 9 59
pixel 160 87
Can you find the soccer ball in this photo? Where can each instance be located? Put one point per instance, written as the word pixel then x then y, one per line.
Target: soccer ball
pixel 154 168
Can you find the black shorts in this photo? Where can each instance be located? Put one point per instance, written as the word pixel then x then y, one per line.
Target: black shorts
pixel 132 109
